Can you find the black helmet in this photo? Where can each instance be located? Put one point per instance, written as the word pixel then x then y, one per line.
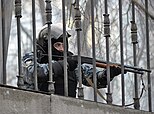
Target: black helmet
pixel 42 41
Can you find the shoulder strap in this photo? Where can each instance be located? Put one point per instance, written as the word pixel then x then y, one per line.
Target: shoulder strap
pixel 92 85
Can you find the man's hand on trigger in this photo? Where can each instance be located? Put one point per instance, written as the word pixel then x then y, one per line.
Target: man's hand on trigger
pixel 115 71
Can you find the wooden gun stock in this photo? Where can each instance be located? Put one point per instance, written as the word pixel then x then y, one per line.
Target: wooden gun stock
pixel 103 65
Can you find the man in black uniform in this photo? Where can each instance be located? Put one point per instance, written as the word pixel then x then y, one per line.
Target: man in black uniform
pixel 57 65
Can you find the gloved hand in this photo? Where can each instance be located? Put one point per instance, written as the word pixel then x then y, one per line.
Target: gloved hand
pixel 114 71
pixel 102 76
pixel 72 64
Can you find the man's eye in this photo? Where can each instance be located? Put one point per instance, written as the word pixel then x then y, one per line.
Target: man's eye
pixel 58 44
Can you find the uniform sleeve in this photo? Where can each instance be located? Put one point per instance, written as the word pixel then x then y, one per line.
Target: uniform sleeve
pixel 42 69
pixel 87 71
pixel 28 64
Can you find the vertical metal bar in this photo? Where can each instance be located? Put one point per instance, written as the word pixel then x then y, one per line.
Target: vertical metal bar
pixel 148 57
pixel 48 22
pixel 20 82
pixel 106 7
pixel 34 44
pixel 121 50
pixel 134 42
pixel 65 50
pixel 78 29
pixel 93 50
pixel 107 35
pixel 3 42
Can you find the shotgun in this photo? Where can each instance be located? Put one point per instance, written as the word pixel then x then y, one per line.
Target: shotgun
pixel 103 64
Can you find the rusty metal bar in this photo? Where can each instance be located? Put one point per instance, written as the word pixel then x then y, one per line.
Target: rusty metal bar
pixel 93 50
pixel 107 35
pixel 65 51
pixel 148 56
pixel 48 22
pixel 134 42
pixel 18 15
pixel 34 45
pixel 121 50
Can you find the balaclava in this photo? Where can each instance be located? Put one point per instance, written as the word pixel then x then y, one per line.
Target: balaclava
pixel 56 36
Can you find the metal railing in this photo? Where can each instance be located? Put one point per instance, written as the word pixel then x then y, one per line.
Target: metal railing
pixel 133 69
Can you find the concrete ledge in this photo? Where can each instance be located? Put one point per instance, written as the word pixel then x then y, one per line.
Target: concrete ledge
pixel 65 105
pixel 15 101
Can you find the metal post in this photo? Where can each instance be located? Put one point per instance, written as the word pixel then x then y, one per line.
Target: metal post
pixel 134 42
pixel 93 50
pixel 121 50
pixel 78 29
pixel 3 43
pixel 148 57
pixel 34 44
pixel 20 82
pixel 48 22
pixel 107 35
pixel 65 51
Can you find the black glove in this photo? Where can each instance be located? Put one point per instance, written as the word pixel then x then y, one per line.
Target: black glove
pixel 72 64
pixel 114 71
pixel 102 76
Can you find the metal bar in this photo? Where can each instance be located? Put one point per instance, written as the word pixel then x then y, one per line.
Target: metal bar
pixel 20 82
pixel 134 42
pixel 3 42
pixel 121 50
pixel 107 35
pixel 93 51
pixel 136 99
pixel 65 51
pixel 78 29
pixel 34 44
pixel 148 56
pixel 48 22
